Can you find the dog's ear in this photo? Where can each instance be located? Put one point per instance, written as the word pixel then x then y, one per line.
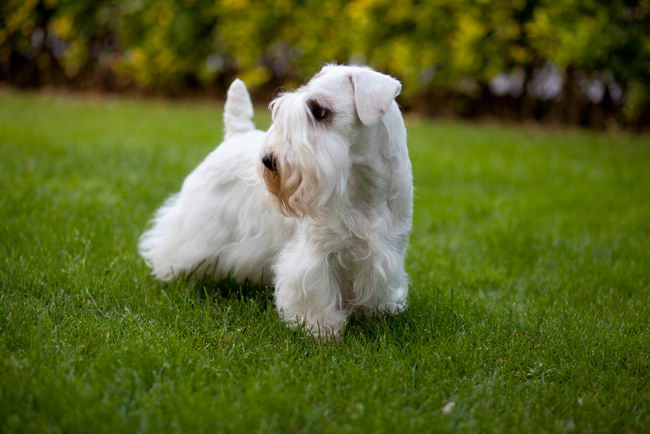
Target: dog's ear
pixel 373 94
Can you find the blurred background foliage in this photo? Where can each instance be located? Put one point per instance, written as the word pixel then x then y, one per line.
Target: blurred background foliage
pixel 583 62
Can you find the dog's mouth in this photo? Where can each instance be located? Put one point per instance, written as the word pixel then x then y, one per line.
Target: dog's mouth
pixel 284 183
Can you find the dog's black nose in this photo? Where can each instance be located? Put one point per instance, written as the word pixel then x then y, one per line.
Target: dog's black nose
pixel 269 162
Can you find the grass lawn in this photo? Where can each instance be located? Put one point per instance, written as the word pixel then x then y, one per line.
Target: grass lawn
pixel 529 304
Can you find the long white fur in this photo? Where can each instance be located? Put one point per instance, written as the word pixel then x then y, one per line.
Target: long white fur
pixel 345 252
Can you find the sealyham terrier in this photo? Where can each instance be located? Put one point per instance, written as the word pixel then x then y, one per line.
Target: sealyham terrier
pixel 319 206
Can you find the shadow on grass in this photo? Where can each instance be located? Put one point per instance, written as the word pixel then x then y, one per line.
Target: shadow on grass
pixel 399 329
pixel 228 289
pixel 425 320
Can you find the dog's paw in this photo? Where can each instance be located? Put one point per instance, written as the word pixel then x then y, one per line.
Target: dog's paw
pixel 326 328
pixel 325 333
pixel 386 308
pixel 394 308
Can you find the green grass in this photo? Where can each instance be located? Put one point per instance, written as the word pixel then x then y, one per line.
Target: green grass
pixel 529 304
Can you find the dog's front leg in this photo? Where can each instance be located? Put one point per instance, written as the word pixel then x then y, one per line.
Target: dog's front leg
pixel 307 291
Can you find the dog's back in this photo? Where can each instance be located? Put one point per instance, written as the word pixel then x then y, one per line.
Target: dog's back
pixel 218 223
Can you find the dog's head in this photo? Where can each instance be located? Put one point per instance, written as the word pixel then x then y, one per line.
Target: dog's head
pixel 306 157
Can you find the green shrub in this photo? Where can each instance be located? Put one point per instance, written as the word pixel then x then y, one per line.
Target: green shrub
pixel 446 50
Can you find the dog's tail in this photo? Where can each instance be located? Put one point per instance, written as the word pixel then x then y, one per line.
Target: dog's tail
pixel 238 112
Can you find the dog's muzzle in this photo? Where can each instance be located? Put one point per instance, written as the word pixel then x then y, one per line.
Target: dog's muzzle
pixel 269 162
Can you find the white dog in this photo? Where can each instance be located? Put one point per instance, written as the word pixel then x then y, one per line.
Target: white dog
pixel 320 205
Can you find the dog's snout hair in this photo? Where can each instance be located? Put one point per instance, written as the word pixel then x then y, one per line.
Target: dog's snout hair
pixel 289 163
pixel 283 184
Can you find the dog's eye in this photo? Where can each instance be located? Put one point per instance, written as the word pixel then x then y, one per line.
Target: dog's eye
pixel 318 111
